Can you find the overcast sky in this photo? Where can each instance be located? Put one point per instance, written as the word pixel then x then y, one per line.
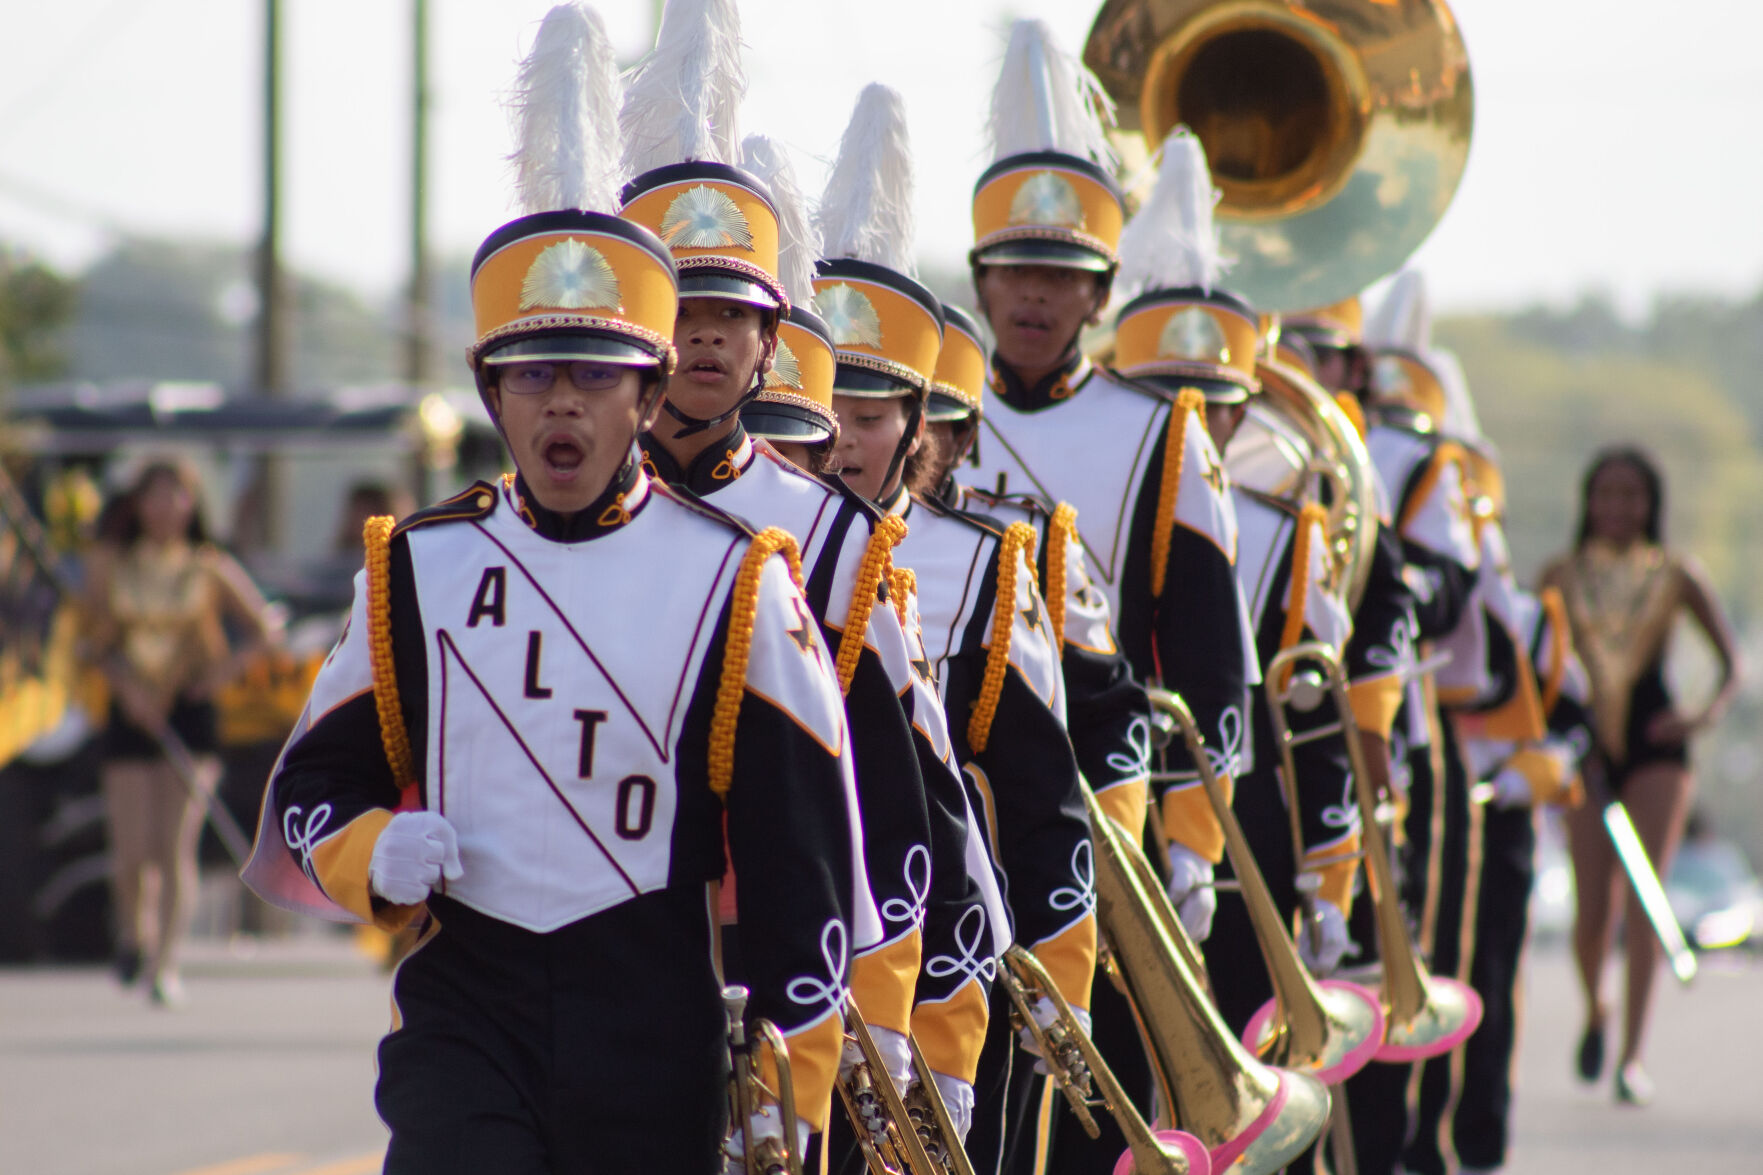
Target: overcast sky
pixel 1621 156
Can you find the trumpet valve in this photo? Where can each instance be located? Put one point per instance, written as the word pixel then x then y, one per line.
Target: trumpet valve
pixel 924 1124
pixel 1306 691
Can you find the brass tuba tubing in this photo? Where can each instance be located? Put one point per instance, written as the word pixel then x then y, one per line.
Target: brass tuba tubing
pixel 747 1089
pixel 1424 1015
pixel 1315 1030
pixel 1153 1152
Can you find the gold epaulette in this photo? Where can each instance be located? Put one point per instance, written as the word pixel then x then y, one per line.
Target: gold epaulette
pixel 1448 453
pixel 743 607
pixel 1175 449
pixel 376 534
pixel 1554 606
pixel 1310 517
pixel 1061 531
pixel 1018 541
pixel 878 561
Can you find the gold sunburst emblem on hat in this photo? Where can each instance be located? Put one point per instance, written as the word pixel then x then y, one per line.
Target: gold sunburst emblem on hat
pixel 851 315
pixel 704 218
pixel 1195 336
pixel 1047 198
pixel 570 275
pixel 786 369
pixel 1389 377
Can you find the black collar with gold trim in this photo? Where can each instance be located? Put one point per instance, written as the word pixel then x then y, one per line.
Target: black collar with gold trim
pixel 1056 387
pixel 719 465
pixel 622 501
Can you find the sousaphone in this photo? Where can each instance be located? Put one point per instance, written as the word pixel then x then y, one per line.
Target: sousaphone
pixel 1337 130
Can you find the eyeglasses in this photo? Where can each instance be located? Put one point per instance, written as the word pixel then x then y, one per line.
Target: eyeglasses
pixel 529 379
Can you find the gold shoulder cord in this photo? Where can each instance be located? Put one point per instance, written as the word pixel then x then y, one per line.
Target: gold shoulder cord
pixel 1061 532
pixel 1175 449
pixel 377 535
pixel 1018 541
pixel 743 607
pixel 1555 608
pixel 878 561
pixel 1310 517
pixel 903 583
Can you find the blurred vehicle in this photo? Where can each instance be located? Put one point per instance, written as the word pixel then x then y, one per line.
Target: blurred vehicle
pixel 1716 895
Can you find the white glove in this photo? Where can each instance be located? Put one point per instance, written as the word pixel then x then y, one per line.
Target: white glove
pixel 1191 892
pixel 896 1052
pixel 415 850
pixel 1046 1015
pixel 1511 789
pixel 762 1124
pixel 957 1098
pixel 1323 939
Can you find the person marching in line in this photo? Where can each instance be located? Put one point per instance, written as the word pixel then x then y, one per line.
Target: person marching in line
pixel 1428 479
pixel 724 226
pixel 1107 715
pixel 1522 743
pixel 561 705
pixel 980 617
pixel 1139 467
pixel 1624 589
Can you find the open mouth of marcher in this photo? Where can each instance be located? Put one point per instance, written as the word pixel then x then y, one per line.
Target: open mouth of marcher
pixel 563 457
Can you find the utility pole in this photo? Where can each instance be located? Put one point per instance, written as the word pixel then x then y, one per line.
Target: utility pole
pixel 419 341
pixel 259 527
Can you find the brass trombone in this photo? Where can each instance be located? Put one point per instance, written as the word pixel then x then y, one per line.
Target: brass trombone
pixel 1425 1015
pixel 1073 1062
pixel 1328 1029
pixel 1255 1116
pixel 747 1089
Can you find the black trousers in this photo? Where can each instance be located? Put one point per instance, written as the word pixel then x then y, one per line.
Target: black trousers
pixel 1456 880
pixel 1502 922
pixel 999 1104
pixel 599 1047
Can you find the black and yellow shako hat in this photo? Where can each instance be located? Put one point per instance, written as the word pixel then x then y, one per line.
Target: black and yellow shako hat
pixel 1190 337
pixel 1047 208
pixel 561 286
pixel 796 403
pixel 1338 326
pixel 958 385
pixel 1399 337
pixel 1405 378
pixel 721 226
pixel 887 328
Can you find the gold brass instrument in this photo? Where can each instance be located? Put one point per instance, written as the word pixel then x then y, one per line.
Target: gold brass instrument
pixel 747 1089
pixel 1073 1062
pixel 1328 1030
pixel 1255 1116
pixel 1425 1015
pixel 1337 130
pixel 892 1139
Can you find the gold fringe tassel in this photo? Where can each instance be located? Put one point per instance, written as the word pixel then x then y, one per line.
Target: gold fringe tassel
pixel 878 562
pixel 376 534
pixel 1018 541
pixel 743 607
pixel 1061 532
pixel 1174 453
pixel 1309 518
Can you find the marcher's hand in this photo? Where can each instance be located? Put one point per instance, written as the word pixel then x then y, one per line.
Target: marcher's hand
pixel 1323 939
pixel 1511 790
pixel 895 1050
pixel 414 851
pixel 1191 892
pixel 1046 1014
pixel 957 1098
pixel 764 1124
pixel 1669 728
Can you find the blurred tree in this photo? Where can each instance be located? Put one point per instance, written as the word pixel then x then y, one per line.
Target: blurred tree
pixel 36 304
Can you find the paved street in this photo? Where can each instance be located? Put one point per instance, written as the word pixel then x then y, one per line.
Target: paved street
pixel 269 1071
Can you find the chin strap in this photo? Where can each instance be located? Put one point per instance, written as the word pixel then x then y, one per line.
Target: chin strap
pixel 693 424
pixel 913 414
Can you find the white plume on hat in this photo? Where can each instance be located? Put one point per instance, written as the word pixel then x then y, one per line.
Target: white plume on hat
pixel 684 98
pixel 797 238
pixel 1171 241
pixel 1048 100
pixel 1404 318
pixel 1461 422
pixel 866 211
pixel 566 116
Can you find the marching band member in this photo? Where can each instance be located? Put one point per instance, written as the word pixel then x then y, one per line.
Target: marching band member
pixel 980 617
pixel 562 703
pixel 723 224
pixel 1140 469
